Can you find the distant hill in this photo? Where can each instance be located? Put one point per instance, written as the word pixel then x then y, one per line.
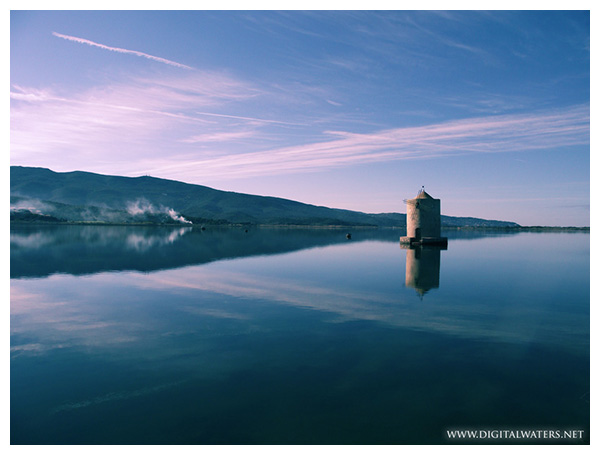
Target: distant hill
pixel 39 194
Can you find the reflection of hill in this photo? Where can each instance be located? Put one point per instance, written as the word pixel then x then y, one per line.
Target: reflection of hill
pixel 37 251
pixel 471 234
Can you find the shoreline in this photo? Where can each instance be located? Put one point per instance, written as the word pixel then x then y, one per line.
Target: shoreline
pixel 303 226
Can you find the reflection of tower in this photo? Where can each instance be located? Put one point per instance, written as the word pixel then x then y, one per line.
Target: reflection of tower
pixel 423 267
pixel 423 221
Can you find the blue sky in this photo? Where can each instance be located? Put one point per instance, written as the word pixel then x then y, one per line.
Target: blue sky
pixel 348 109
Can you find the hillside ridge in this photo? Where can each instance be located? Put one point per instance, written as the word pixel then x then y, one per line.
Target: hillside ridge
pixel 81 196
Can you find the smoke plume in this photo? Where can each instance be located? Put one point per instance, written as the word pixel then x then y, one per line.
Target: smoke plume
pixel 142 207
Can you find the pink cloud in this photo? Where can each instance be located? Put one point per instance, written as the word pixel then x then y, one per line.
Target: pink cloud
pixel 116 123
pixel 181 128
pixel 508 133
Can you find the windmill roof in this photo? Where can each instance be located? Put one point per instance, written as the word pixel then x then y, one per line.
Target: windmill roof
pixel 423 195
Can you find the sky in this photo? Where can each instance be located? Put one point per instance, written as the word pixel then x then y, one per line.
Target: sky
pixel 488 110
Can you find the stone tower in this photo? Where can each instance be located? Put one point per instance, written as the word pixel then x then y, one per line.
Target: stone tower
pixel 423 220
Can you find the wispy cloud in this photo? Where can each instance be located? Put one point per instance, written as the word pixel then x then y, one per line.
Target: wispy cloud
pixel 495 134
pixel 120 50
pixel 122 121
pixel 252 119
pixel 219 136
pixel 201 128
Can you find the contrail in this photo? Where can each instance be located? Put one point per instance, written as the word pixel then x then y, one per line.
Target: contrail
pixel 254 119
pixel 123 51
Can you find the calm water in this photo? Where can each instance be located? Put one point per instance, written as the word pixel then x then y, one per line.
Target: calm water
pixel 182 336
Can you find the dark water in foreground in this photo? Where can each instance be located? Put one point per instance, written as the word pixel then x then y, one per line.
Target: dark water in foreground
pixel 178 336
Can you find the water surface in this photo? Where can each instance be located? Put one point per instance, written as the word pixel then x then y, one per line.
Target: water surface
pixel 130 335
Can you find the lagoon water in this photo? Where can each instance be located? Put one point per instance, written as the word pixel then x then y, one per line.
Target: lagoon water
pixel 141 335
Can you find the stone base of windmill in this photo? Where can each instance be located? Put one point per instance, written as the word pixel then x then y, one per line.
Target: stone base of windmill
pixel 414 241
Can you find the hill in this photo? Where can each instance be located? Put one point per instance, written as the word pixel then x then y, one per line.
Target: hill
pixel 39 194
